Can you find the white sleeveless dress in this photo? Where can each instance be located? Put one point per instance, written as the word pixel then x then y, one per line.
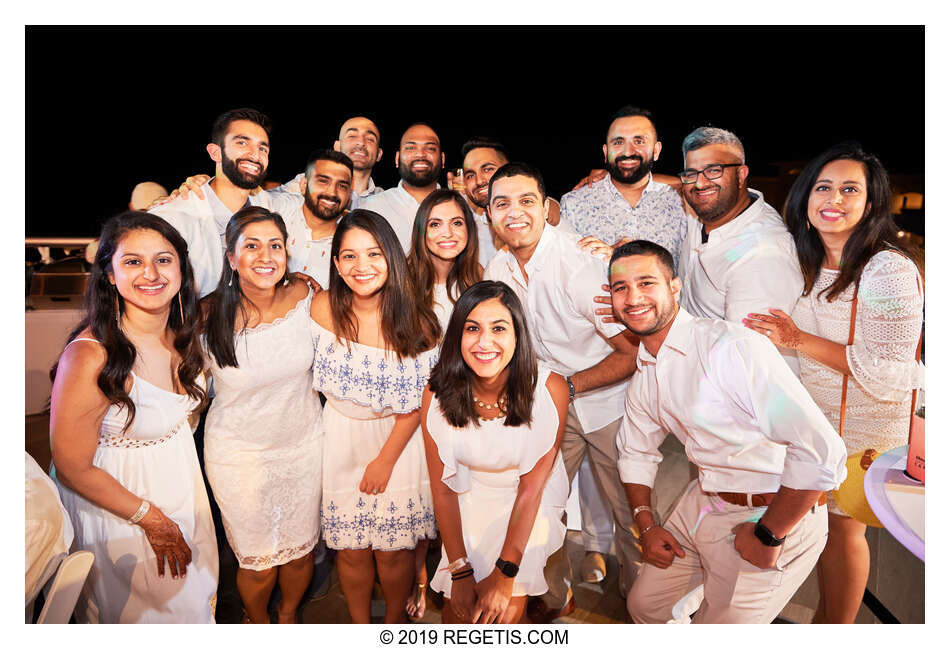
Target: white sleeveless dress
pixel 484 465
pixel 365 387
pixel 155 459
pixel 264 443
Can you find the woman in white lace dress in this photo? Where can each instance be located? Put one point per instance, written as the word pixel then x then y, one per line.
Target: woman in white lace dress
pixel 838 210
pixel 493 421
pixel 374 351
pixel 124 390
pixel 263 434
pixel 443 262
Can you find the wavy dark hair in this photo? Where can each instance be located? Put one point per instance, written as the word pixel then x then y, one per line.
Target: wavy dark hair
pixel 464 271
pixel 103 305
pixel 873 233
pixel 228 298
pixel 451 378
pixel 405 328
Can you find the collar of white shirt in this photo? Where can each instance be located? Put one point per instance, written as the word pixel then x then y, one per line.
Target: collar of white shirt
pixel 537 257
pixel 740 225
pixel 677 339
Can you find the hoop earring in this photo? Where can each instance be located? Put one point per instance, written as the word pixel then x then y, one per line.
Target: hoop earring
pixel 181 312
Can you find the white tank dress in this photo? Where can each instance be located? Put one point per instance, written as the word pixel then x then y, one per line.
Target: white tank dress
pixel 365 387
pixel 264 443
pixel 484 465
pixel 155 459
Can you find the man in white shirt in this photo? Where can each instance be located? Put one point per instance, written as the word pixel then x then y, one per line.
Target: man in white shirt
pixel 240 149
pixel 739 257
pixel 629 203
pixel 419 160
pixel 311 215
pixel 481 158
pixel 751 528
pixel 556 281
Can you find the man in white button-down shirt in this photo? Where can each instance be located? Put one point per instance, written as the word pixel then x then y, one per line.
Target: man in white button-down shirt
pixel 556 281
pixel 739 257
pixel 419 160
pixel 751 528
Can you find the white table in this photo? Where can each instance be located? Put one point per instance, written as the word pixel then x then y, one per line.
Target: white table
pixel 897 500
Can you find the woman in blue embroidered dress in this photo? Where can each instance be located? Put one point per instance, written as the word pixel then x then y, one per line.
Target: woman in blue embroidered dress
pixel 374 350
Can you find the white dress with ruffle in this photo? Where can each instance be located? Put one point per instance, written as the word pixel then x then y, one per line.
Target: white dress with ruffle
pixel 264 442
pixel 483 465
pixel 365 387
pixel 154 459
pixel 881 359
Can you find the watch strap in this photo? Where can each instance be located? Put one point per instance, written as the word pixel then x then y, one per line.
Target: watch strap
pixel 507 568
pixel 766 536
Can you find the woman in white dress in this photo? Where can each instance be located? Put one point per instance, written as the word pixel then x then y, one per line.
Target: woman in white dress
pixel 493 420
pixel 838 210
pixel 443 262
pixel 374 350
pixel 123 452
pixel 443 256
pixel 263 433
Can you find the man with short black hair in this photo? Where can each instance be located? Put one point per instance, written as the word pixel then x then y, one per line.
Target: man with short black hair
pixel 240 149
pixel 751 528
pixel 360 141
pixel 556 281
pixel 419 160
pixel 629 203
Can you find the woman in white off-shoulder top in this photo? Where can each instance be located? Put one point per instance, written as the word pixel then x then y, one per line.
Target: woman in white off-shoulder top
pixel 374 351
pixel 838 210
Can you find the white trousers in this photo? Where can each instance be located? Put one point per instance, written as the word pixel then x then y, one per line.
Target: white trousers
pixel 735 591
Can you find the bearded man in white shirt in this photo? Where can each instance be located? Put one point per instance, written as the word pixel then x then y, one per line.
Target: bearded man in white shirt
pixel 751 528
pixel 739 257
pixel 419 160
pixel 556 281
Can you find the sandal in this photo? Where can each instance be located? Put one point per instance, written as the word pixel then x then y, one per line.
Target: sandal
pixel 416 604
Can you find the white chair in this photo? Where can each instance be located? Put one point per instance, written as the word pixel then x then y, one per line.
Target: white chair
pixel 688 605
pixel 64 588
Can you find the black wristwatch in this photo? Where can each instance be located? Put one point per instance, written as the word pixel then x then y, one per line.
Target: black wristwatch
pixel 765 535
pixel 507 568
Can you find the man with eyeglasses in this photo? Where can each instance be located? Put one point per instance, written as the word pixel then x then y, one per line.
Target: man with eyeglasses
pixel 629 203
pixel 739 257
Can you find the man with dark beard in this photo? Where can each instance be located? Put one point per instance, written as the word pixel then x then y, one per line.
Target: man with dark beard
pixel 240 147
pixel 629 204
pixel 419 161
pixel 738 257
pixel 311 215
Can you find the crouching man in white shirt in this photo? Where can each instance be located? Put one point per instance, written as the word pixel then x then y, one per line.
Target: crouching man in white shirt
pixel 751 528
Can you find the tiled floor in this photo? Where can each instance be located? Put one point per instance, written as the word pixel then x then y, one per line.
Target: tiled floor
pixel 897 577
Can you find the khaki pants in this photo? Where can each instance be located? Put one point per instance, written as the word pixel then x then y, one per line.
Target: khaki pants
pixel 735 591
pixel 601 445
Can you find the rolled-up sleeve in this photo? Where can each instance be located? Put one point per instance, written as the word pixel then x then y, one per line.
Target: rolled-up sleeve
pixel 638 441
pixel 786 414
pixel 890 316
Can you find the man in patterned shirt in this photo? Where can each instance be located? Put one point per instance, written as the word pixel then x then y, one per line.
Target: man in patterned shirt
pixel 629 203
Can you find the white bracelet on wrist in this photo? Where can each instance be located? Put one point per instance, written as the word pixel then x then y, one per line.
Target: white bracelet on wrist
pixel 140 512
pixel 458 563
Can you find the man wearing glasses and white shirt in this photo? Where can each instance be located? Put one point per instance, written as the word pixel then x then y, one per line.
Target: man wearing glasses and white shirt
pixel 751 528
pixel 739 257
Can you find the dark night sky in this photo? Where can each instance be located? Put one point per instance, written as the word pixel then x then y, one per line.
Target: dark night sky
pixel 109 107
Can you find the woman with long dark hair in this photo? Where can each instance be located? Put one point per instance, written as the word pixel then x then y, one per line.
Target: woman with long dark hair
pixel 443 262
pixel 855 330
pixel 263 434
pixel 493 420
pixel 443 256
pixel 125 391
pixel 374 350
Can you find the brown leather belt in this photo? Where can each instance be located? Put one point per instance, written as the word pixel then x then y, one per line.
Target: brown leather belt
pixel 755 500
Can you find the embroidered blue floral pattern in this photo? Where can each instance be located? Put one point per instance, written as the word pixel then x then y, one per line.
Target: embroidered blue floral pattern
pixel 600 210
pixel 369 376
pixel 385 523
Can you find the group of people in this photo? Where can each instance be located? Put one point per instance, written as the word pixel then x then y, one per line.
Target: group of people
pixel 472 345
